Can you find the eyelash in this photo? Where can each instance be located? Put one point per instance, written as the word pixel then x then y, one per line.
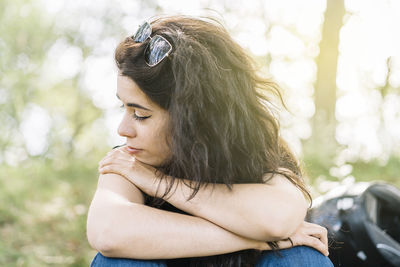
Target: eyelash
pixel 136 117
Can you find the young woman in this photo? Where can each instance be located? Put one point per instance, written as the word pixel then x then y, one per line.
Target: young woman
pixel 204 178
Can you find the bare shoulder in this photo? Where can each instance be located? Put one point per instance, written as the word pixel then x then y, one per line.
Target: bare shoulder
pixel 117 184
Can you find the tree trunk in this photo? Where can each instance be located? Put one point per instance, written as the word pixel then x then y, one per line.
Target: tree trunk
pixel 325 87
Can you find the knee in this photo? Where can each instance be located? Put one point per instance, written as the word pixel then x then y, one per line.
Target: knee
pixel 296 256
pixel 308 256
pixel 102 261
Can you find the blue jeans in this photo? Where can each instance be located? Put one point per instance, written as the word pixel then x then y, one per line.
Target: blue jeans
pixel 300 256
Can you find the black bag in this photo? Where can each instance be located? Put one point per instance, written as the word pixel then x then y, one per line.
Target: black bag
pixel 363 223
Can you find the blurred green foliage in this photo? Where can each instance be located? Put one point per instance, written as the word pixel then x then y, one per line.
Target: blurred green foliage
pixel 43 199
pixel 362 171
pixel 43 213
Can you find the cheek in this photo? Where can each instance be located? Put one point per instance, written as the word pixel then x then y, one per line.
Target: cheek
pixel 161 136
pixel 162 140
pixel 158 151
pixel 153 136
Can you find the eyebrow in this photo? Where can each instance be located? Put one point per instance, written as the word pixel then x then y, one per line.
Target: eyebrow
pixel 134 105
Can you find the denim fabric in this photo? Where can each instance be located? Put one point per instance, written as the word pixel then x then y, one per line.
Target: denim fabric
pixel 101 261
pixel 301 256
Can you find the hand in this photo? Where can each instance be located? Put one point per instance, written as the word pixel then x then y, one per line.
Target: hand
pixel 119 161
pixel 308 234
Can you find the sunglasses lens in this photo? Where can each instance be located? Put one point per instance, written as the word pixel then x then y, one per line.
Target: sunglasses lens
pixel 157 50
pixel 142 33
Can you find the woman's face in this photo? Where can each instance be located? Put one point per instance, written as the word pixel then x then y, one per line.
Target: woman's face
pixel 144 124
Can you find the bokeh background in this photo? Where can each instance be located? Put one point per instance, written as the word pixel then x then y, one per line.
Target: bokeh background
pixel 337 61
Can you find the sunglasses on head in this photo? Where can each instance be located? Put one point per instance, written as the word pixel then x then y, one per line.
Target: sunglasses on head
pixel 158 47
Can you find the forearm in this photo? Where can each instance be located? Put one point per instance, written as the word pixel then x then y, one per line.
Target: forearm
pixel 257 211
pixel 266 212
pixel 134 230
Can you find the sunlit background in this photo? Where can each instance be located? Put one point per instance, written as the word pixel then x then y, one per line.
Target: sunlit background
pixel 337 62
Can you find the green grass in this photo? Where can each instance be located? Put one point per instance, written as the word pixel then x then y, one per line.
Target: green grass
pixel 43 213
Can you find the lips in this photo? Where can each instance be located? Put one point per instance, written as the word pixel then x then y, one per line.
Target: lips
pixel 133 150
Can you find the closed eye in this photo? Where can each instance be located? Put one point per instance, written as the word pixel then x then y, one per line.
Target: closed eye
pixel 139 118
pixel 136 117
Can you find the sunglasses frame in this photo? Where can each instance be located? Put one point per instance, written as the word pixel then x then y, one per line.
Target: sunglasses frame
pixel 152 40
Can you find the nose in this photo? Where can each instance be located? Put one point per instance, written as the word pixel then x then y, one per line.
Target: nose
pixel 126 127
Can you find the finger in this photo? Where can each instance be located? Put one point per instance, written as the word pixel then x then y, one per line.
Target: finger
pixel 316 244
pixel 116 151
pixel 120 151
pixel 324 236
pixel 101 162
pixel 108 156
pixel 111 152
pixel 315 229
pixel 119 162
pixel 282 244
pixel 115 157
pixel 106 169
pixel 309 225
pixel 285 244
pixel 124 150
pixel 105 160
pixel 125 155
pixel 113 168
pixel 323 240
pixel 318 232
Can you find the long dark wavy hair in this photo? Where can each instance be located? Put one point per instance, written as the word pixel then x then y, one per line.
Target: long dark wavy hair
pixel 223 130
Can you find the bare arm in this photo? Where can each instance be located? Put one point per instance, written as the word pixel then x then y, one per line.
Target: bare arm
pixel 263 212
pixel 266 212
pixel 120 225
